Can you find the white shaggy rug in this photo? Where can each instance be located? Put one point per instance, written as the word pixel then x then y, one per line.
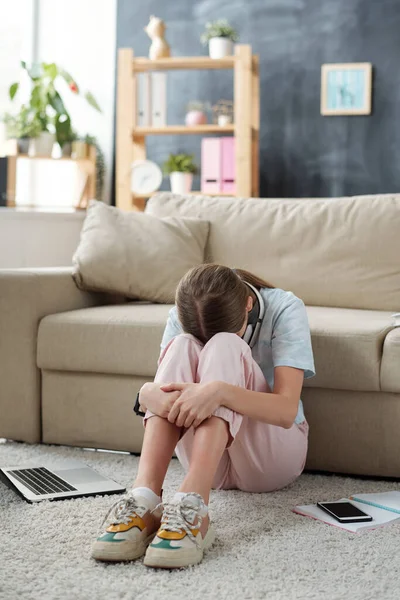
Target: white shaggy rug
pixel 263 550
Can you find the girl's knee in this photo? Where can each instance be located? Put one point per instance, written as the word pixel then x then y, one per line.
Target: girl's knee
pixel 185 339
pixel 227 342
pixel 224 337
pixel 182 342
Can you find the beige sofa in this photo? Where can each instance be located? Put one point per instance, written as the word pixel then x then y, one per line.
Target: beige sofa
pixel 71 362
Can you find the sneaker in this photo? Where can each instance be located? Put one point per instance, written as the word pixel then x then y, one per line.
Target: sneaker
pixel 131 526
pixel 179 541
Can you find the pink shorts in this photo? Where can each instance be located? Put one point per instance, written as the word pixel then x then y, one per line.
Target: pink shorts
pixel 260 457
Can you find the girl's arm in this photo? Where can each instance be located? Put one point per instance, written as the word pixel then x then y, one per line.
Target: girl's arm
pixel 277 408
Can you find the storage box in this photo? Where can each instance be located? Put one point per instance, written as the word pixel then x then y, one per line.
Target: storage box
pixel 218 165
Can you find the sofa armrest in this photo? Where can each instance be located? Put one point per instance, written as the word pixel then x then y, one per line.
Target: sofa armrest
pixel 26 296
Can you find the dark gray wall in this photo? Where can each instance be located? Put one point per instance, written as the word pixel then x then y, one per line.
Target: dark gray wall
pixel 301 152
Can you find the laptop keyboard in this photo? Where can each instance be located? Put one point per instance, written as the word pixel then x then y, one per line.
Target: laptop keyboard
pixel 42 481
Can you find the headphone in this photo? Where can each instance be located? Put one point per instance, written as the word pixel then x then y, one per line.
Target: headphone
pixel 255 317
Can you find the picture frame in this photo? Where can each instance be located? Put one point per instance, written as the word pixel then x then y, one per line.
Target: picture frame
pixel 346 89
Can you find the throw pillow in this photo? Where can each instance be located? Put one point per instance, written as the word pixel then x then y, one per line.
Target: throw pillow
pixel 135 254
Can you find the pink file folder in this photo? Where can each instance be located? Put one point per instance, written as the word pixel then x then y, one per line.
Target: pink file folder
pixel 228 184
pixel 211 165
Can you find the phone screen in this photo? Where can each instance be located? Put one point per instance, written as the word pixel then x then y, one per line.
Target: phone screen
pixel 344 510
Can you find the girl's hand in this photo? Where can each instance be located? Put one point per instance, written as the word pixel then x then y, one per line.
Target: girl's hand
pixel 197 402
pixel 153 398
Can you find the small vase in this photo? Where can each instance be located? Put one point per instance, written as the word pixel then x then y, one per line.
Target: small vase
pixel 66 150
pixel 195 117
pixel 23 145
pixel 80 149
pixel 219 47
pixel 42 145
pixel 181 183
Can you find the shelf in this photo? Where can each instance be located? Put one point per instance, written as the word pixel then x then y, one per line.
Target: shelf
pixel 50 158
pixel 182 129
pixel 131 139
pixel 182 62
pixel 192 193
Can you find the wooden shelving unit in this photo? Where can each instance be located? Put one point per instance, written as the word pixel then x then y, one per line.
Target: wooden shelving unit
pixel 86 165
pixel 131 139
pixel 182 129
pixel 183 62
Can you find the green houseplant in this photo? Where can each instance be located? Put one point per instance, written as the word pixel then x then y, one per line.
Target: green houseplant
pixel 180 168
pixel 65 135
pixel 100 165
pixel 47 105
pixel 22 127
pixel 220 37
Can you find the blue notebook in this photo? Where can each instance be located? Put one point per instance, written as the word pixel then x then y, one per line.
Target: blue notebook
pixel 386 500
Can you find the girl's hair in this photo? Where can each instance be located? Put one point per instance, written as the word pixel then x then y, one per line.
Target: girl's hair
pixel 212 298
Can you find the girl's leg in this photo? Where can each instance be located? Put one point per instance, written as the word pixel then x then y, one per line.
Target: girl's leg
pixel 209 443
pixel 259 457
pixel 160 439
pixel 221 359
pixel 178 362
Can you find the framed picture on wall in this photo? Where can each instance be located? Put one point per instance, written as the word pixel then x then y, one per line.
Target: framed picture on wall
pixel 346 89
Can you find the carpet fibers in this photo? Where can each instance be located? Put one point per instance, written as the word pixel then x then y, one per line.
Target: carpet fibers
pixel 262 550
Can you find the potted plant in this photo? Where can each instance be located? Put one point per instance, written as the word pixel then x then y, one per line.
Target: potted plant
pixel 180 168
pixel 65 135
pixel 47 104
pixel 21 127
pixel 196 113
pixel 220 37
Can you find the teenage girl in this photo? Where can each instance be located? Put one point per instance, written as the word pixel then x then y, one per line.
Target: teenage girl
pixel 226 397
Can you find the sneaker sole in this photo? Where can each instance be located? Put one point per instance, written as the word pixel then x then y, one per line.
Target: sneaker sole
pixel 162 559
pixel 120 551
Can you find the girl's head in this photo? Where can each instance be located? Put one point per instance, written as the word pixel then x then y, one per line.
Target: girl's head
pixel 212 298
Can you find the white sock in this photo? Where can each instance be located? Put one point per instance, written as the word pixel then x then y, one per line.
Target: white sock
pixel 150 496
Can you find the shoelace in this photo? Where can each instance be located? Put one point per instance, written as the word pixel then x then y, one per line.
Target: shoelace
pixel 123 510
pixel 180 516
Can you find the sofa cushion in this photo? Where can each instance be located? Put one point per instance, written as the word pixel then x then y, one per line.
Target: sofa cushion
pixel 341 252
pixel 347 346
pixel 120 339
pixel 139 256
pixel 390 371
pixel 125 339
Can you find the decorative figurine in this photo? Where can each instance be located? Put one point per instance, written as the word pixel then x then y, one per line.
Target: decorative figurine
pixel 159 47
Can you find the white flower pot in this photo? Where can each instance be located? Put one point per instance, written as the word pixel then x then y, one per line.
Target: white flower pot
pixel 224 120
pixel 42 145
pixel 181 183
pixel 219 47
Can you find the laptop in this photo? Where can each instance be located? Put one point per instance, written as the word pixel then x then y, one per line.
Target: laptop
pixel 69 479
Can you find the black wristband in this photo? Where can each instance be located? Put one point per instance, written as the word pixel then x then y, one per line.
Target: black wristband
pixel 136 408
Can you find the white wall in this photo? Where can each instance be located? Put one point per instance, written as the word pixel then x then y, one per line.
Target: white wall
pixel 80 35
pixel 16 20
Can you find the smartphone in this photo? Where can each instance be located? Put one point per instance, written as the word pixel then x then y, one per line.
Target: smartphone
pixel 345 512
